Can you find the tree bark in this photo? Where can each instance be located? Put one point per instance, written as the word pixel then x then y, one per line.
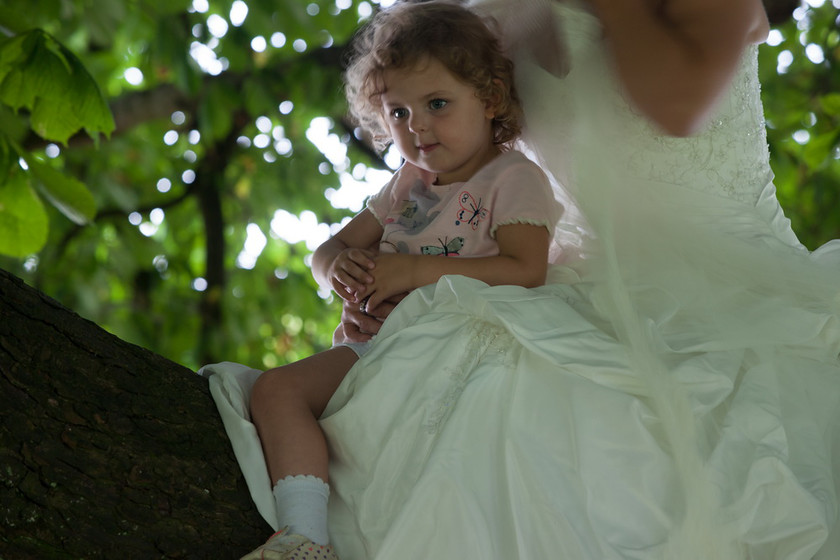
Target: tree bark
pixel 108 450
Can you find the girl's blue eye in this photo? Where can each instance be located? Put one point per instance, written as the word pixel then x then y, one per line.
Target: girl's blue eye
pixel 436 104
pixel 399 113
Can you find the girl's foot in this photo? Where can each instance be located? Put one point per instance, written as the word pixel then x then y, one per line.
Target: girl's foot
pixel 283 546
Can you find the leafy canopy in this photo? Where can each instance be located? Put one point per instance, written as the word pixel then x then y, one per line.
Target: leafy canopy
pixel 226 156
pixel 40 75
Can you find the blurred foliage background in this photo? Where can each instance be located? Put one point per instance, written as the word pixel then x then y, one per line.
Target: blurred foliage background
pixel 185 224
pixel 799 67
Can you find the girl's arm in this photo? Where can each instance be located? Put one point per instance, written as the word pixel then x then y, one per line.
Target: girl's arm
pixel 343 262
pixel 522 260
pixel 676 57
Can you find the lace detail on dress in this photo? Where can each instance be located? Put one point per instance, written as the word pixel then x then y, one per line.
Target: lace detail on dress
pixel 730 158
pixel 485 342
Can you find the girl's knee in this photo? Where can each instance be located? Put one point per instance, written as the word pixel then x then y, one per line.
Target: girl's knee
pixel 311 381
pixel 272 385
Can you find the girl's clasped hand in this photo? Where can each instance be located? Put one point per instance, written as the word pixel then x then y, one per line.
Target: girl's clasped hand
pixel 350 273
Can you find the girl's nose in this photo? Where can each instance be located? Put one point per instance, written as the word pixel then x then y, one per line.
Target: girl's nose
pixel 417 123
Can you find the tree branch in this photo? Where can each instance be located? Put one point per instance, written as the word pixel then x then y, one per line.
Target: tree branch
pixel 108 450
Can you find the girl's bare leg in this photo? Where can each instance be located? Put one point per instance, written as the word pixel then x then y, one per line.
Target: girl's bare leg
pixel 286 403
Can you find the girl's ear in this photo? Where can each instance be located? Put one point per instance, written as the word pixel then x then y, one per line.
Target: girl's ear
pixel 491 106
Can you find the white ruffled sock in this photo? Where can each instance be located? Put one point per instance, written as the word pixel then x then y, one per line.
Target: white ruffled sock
pixel 302 506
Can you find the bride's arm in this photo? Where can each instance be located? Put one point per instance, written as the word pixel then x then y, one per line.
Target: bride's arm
pixel 676 57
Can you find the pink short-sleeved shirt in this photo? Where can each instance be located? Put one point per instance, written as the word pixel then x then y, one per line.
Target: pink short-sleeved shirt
pixel 461 219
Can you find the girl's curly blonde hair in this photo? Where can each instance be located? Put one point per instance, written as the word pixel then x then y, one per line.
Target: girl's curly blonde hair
pixel 408 32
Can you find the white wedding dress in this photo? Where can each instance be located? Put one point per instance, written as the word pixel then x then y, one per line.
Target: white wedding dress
pixel 672 393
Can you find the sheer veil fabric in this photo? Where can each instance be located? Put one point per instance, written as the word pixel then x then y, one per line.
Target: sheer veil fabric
pixel 693 254
pixel 672 392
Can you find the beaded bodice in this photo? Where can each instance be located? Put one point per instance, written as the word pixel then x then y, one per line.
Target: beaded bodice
pixel 600 149
pixel 729 157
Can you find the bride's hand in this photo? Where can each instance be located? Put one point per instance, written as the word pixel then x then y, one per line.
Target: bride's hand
pixel 541 39
pixel 359 326
pixel 528 26
pixel 355 326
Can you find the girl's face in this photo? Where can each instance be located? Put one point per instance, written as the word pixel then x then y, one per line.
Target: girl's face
pixel 437 121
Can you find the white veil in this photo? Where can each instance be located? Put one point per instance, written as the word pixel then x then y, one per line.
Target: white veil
pixel 679 265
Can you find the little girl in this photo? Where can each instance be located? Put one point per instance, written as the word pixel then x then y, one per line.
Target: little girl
pixel 431 78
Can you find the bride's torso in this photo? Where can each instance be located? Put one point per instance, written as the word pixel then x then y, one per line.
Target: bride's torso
pixel 727 164
pixel 728 157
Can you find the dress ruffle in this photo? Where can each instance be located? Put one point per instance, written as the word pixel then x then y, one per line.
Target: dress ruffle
pixel 528 423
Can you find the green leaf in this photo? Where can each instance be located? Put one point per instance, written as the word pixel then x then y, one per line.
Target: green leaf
pixel 258 100
pixel 8 158
pixel 67 194
pixel 39 74
pixel 819 149
pixel 103 19
pixel 19 16
pixel 831 103
pixel 23 221
pixel 215 114
pixel 13 126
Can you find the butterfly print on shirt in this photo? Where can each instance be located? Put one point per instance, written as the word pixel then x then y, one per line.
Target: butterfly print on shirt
pixel 447 248
pixel 471 212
